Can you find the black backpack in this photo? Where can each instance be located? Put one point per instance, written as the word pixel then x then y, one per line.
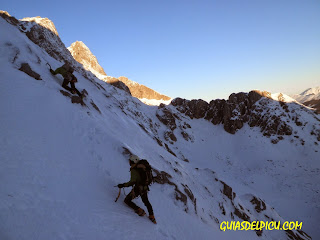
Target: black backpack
pixel 145 172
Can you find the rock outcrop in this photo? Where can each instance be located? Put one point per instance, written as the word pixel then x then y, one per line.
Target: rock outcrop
pixel 140 91
pixel 83 55
pixel 42 32
pixel 274 117
pixel 25 67
pixel 117 83
pixel 232 113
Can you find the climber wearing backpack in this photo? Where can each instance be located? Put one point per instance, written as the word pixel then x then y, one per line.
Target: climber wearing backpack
pixel 141 178
pixel 67 72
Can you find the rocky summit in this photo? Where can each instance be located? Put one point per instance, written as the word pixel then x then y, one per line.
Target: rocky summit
pixel 83 55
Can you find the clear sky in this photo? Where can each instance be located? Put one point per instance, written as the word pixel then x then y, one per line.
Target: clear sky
pixel 194 49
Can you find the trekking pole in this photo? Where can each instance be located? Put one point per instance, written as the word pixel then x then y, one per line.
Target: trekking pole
pixel 118 195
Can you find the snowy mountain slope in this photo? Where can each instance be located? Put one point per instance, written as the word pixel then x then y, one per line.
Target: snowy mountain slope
pixel 308 95
pixel 310 98
pixel 61 161
pixel 42 32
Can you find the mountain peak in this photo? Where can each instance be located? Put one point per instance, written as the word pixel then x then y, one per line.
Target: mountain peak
pixel 82 54
pixel 44 22
pixel 311 91
pixel 79 44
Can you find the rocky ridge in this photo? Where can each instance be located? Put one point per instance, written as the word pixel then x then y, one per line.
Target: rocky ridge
pixel 140 91
pixel 83 55
pixel 42 32
pixel 275 118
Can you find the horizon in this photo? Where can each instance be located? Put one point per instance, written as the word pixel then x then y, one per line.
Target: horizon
pixel 194 50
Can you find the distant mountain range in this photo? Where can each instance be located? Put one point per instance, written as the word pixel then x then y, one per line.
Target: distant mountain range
pixel 310 97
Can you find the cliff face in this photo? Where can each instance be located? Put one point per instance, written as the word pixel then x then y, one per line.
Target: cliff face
pixel 42 32
pixel 82 54
pixel 140 91
pixel 276 115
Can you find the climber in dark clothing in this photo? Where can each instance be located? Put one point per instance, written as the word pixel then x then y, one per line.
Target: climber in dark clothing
pixel 67 72
pixel 139 189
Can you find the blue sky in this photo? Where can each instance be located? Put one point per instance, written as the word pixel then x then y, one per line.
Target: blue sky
pixel 194 49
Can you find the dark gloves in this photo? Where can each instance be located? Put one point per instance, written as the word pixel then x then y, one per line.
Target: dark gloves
pixel 120 185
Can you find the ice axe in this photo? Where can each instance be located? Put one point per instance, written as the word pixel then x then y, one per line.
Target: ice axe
pixel 50 68
pixel 49 65
pixel 118 194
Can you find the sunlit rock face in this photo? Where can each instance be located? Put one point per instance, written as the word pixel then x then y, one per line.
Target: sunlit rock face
pixel 140 91
pixel 83 55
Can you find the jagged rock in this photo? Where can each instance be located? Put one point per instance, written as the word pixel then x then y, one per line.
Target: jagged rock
pixel 189 193
pixel 140 91
pixel 179 102
pixel 83 55
pixel 193 109
pixel 185 136
pixel 118 84
pixel 6 16
pixel 74 99
pixel 197 108
pixel 298 235
pixel 227 190
pixel 77 100
pixel 170 135
pixel 254 96
pixel 242 215
pixel 223 211
pixel 215 111
pixel 240 108
pixel 259 204
pixel 166 117
pixel 43 33
pixel 25 67
pixel 163 178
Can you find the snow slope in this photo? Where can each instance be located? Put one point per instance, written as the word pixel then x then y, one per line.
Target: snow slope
pixel 60 162
pixel 308 95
